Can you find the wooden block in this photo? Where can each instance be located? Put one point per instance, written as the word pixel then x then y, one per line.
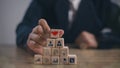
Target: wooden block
pixel 64 51
pixel 54 33
pixel 55 51
pixel 55 60
pixel 37 59
pixel 51 42
pixel 46 60
pixel 72 59
pixel 64 60
pixel 46 51
pixel 60 42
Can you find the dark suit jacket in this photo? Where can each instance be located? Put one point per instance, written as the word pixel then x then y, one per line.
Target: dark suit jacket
pixel 92 16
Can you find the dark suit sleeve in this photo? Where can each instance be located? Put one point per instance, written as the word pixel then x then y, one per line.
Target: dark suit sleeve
pixel 30 20
pixel 115 18
pixel 109 14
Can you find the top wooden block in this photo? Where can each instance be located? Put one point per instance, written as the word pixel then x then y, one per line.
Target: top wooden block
pixel 55 33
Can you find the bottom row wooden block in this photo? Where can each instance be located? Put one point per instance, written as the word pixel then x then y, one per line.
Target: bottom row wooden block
pixel 70 59
pixel 64 60
pixel 55 60
pixel 37 59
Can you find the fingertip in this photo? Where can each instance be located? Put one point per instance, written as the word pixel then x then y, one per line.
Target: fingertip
pixel 44 24
pixel 41 21
pixel 34 30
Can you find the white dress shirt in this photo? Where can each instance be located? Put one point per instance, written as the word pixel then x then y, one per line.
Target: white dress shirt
pixel 75 5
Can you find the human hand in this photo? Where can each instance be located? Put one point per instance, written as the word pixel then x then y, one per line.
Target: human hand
pixel 86 40
pixel 38 37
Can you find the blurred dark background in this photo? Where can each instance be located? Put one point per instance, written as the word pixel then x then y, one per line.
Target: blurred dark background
pixel 12 12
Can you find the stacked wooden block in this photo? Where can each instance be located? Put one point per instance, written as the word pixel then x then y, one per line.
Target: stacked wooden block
pixel 55 52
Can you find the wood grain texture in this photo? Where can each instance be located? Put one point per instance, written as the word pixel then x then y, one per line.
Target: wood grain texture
pixel 13 57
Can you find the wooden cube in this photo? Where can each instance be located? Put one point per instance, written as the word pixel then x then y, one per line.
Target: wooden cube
pixel 51 42
pixel 60 42
pixel 72 59
pixel 46 51
pixel 55 51
pixel 54 33
pixel 37 59
pixel 46 60
pixel 64 60
pixel 55 60
pixel 64 51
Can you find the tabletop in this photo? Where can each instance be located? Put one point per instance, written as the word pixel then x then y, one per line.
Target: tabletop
pixel 14 57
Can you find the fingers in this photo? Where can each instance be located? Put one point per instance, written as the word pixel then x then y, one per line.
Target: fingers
pixel 37 39
pixel 44 25
pixel 87 36
pixel 38 30
pixel 34 47
pixel 86 40
pixel 35 43
pixel 34 37
pixel 31 44
pixel 45 29
pixel 90 39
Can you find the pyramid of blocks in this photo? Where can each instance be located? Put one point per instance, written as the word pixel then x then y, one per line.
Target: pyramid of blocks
pixel 55 52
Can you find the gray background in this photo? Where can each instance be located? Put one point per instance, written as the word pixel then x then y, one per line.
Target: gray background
pixel 11 13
